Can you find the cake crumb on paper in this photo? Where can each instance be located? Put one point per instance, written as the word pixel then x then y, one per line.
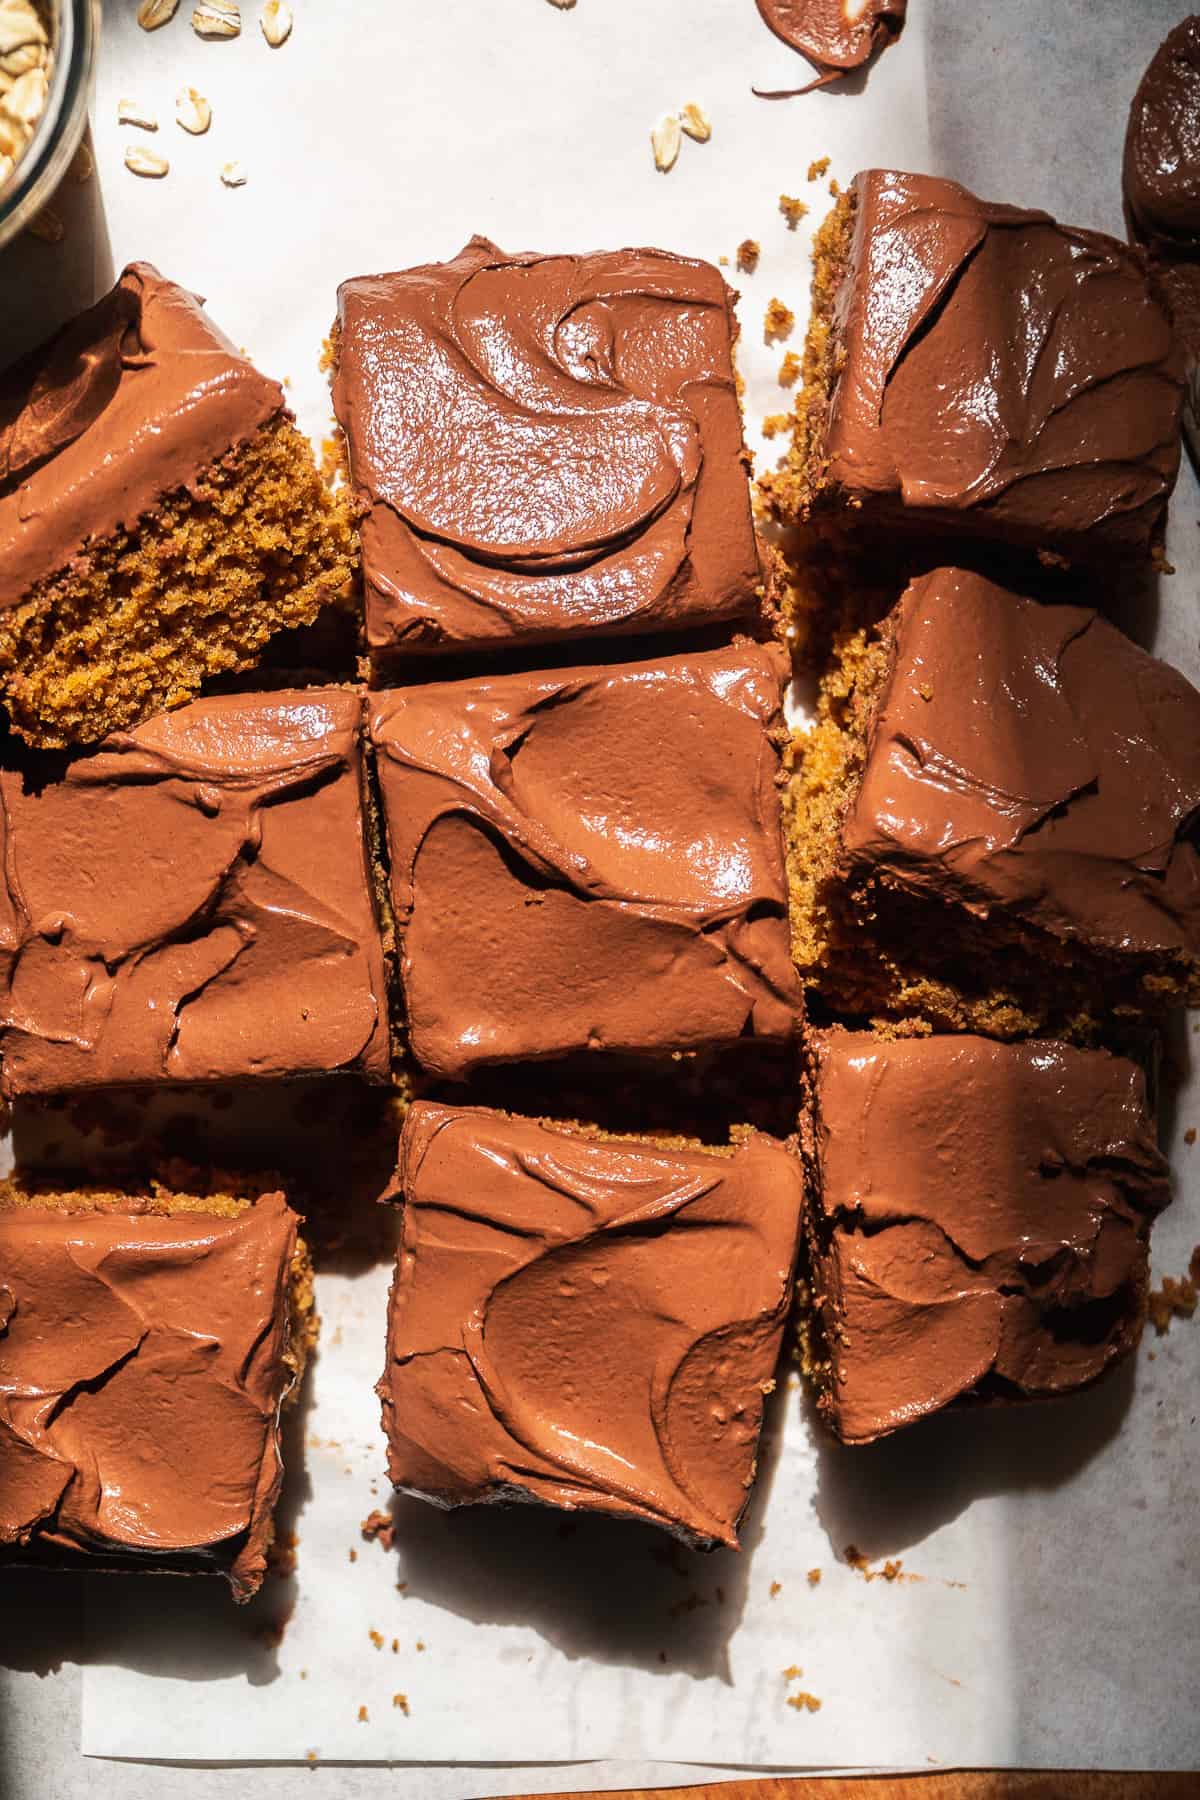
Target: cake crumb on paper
pixel 818 168
pixel 363 1716
pixel 792 209
pixel 814 1577
pixel 748 253
pixel 1175 1299
pixel 379 1528
pixel 793 1672
pixel 1189 1136
pixel 778 321
pixel 401 1700
pixel 775 424
pixel 376 1638
pixel 776 1588
pixel 804 1702
pixel 789 369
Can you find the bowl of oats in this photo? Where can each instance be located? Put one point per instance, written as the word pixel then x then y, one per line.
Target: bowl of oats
pixel 47 51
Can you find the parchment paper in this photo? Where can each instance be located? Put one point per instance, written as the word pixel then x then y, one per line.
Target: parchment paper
pixel 1052 1614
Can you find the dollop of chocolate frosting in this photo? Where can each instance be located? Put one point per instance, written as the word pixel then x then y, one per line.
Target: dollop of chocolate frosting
pixel 129 402
pixel 587 1322
pixel 588 858
pixel 979 1217
pixel 835 35
pixel 192 902
pixel 1030 760
pixel 544 446
pixel 1162 188
pixel 142 1368
pixel 1002 374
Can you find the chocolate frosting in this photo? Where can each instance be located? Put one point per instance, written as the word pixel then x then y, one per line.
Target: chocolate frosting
pixel 192 902
pixel 1030 760
pixel 141 1375
pixel 132 400
pixel 1162 188
pixel 544 446
pixel 980 1216
pixel 588 858
pixel 1002 374
pixel 834 35
pixel 555 1329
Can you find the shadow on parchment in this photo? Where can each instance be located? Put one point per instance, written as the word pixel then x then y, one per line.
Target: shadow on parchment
pixel 615 1591
pixel 885 1497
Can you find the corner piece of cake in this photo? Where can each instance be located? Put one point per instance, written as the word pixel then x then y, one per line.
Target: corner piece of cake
pixel 160 516
pixel 981 371
pixel 978 1219
pixel 544 447
pixel 193 902
pixel 589 859
pixel 993 822
pixel 147 1344
pixel 584 1320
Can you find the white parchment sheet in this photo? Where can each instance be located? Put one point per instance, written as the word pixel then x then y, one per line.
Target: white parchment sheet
pixel 1045 1606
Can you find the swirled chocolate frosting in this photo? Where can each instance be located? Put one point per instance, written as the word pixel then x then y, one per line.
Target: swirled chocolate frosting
pixel 1162 187
pixel 142 1367
pixel 191 902
pixel 1030 761
pixel 584 1321
pixel 132 400
pixel 835 35
pixel 1002 375
pixel 588 859
pixel 543 447
pixel 978 1219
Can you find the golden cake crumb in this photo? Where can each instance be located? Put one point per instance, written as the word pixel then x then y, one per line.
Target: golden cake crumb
pixel 775 423
pixel 792 209
pixel 777 321
pixel 354 1556
pixel 1175 1299
pixel 789 369
pixel 814 1577
pixel 804 1702
pixel 376 1638
pixel 363 1716
pixel 1189 1136
pixel 748 253
pixel 379 1528
pixel 793 1672
pixel 818 168
pixel 401 1700
pixel 776 1588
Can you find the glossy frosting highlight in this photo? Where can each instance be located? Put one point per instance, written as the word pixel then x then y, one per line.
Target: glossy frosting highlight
pixel 1031 760
pixel 132 400
pixel 588 858
pixel 192 902
pixel 555 1329
pixel 979 1215
pixel 544 446
pixel 835 35
pixel 141 1375
pixel 1162 188
pixel 1003 375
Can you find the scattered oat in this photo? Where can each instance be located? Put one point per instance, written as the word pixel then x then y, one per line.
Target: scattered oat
pixel 217 19
pixel 804 1702
pixel 777 321
pixel 276 21
pixel 666 140
pixel 21 108
pixel 129 112
pixel 192 111
pixel 153 13
pixel 23 39
pixel 789 370
pixel 776 1588
pixel 401 1700
pixel 145 162
pixel 363 1716
pixel 233 174
pixel 818 168
pixel 748 253
pixel 379 1528
pixel 792 209
pixel 83 164
pixel 814 1578
pixel 695 121
pixel 376 1638
pixel 47 226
